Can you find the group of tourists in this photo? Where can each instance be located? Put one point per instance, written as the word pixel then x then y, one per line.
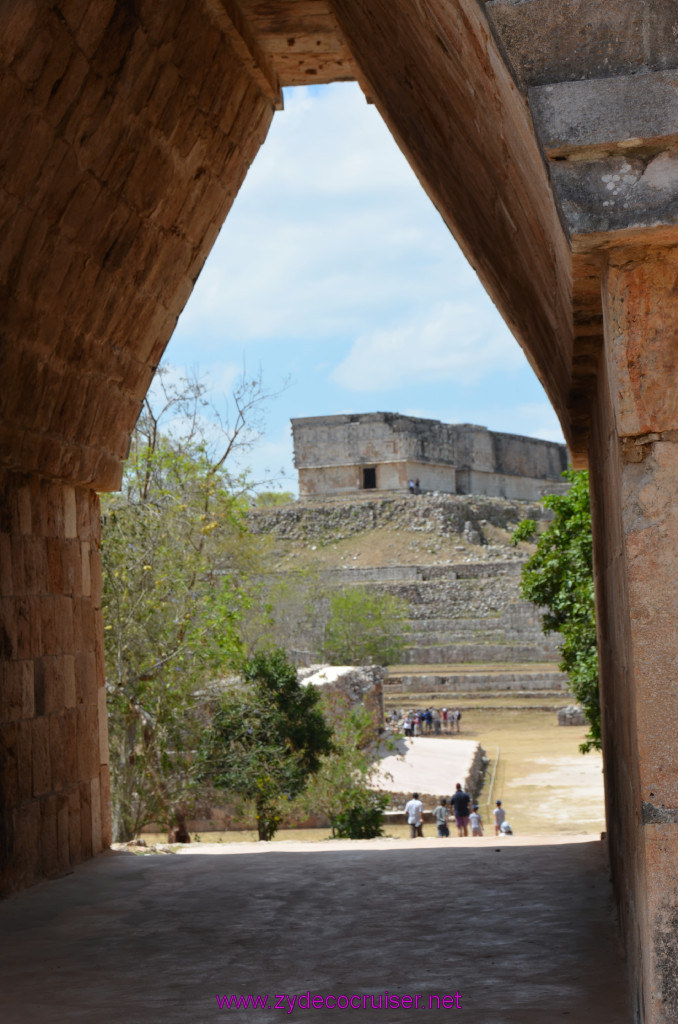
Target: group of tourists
pixel 428 721
pixel 459 806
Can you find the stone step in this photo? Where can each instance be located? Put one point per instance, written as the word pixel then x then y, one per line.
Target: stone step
pixel 450 654
pixel 417 638
pixel 473 682
pixel 475 570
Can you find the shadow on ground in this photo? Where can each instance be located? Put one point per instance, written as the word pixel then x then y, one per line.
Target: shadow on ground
pixel 524 933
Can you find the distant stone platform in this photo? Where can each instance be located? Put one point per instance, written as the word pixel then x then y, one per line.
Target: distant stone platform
pixel 430 766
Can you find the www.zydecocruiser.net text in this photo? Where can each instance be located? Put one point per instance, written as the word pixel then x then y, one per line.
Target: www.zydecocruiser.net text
pixel 357 1001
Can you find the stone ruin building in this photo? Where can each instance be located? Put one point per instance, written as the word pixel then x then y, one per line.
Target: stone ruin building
pixel 544 131
pixel 383 451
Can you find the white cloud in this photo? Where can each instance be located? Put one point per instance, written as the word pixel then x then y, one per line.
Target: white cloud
pixel 330 229
pixel 221 377
pixel 340 134
pixel 458 342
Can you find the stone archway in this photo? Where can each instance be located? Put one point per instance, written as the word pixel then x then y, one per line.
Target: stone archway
pixel 128 131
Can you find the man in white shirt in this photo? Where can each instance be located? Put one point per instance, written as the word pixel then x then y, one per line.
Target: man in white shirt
pixel 414 809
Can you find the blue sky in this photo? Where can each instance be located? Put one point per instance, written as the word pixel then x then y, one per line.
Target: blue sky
pixel 335 270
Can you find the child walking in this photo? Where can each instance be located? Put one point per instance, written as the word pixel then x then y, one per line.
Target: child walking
pixel 476 822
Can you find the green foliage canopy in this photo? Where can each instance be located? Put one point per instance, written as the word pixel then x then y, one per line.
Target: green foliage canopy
pixel 365 628
pixel 559 579
pixel 174 551
pixel 266 738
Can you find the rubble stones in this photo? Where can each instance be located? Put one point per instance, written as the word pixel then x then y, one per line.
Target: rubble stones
pixel 449 515
pixel 573 714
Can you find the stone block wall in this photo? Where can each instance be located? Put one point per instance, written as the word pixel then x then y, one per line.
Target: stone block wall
pixel 332 452
pixel 127 131
pixel 364 438
pixel 477 681
pixel 53 733
pixel 388 476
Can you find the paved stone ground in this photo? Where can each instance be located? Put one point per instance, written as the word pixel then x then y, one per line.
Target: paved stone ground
pixel 525 932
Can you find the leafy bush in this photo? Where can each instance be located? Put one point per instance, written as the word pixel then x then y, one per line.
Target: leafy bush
pixel 365 628
pixel 559 578
pixel 364 819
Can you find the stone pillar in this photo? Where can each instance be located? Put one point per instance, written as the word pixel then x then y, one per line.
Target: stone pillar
pixel 634 459
pixel 53 733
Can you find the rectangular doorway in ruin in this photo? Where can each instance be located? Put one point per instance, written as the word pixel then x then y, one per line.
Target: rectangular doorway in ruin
pixel 369 478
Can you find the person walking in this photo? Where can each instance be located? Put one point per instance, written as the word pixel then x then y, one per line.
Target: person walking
pixel 414 810
pixel 499 815
pixel 442 816
pixel 461 803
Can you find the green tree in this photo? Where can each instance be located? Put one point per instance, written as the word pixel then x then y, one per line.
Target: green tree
pixel 341 786
pixel 266 738
pixel 559 578
pixel 175 549
pixel 272 499
pixel 365 627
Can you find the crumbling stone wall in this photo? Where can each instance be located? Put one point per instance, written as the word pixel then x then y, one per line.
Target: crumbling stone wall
pixel 356 686
pixel 335 519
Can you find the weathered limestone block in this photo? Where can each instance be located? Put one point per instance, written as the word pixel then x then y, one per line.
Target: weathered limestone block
pixel 564 40
pixel 643 340
pixel 571 715
pixel 621 192
pixel 626 109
